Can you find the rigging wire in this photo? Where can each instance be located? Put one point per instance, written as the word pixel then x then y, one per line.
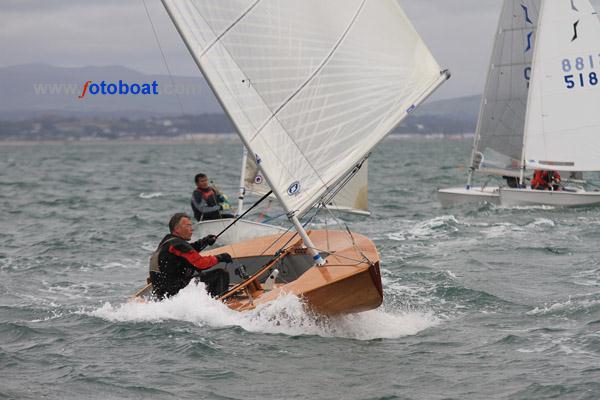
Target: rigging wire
pixel 349 234
pixel 338 187
pixel 246 212
pixel 164 58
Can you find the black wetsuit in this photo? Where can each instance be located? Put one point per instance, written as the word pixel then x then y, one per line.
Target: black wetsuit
pixel 179 262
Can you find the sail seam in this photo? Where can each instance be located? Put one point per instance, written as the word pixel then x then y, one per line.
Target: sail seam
pixel 308 80
pixel 233 24
pixel 260 95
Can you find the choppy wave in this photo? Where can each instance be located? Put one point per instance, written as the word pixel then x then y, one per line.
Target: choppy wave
pixel 430 229
pixel 150 195
pixel 286 315
pixel 565 308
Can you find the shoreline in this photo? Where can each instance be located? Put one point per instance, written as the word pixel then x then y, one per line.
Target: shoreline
pixel 207 137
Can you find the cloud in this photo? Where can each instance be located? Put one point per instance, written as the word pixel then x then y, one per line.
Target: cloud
pixel 116 32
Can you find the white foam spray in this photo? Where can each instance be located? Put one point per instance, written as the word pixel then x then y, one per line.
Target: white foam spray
pixel 286 315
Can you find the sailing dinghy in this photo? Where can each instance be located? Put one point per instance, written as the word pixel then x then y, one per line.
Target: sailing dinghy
pixel 312 87
pixel 562 124
pixel 243 228
pixel 499 136
pixel 353 198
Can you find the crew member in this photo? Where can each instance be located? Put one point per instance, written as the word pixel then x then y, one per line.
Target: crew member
pixel 207 202
pixel 176 261
pixel 545 180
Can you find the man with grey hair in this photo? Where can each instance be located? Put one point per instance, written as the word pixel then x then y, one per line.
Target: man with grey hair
pixel 176 261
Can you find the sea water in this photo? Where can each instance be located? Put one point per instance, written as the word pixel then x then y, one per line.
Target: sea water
pixel 481 302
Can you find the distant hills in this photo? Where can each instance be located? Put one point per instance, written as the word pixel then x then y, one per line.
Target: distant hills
pixel 36 93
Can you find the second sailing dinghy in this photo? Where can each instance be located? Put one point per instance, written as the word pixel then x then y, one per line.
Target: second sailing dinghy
pixel 353 198
pixel 243 228
pixel 311 87
pixel 562 126
pixel 499 137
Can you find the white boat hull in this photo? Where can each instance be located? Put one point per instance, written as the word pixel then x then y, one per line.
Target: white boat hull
pixel 461 195
pixel 521 197
pixel 242 230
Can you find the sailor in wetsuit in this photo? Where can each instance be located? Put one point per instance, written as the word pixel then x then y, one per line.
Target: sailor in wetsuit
pixel 207 202
pixel 176 261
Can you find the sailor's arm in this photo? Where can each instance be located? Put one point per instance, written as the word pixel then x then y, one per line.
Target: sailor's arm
pixel 200 244
pixel 193 257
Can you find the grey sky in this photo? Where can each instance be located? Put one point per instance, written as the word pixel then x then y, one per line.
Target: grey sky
pixel 117 32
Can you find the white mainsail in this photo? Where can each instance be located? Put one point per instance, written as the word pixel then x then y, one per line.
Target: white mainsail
pixel 563 123
pixel 311 86
pixel 499 139
pixel 352 198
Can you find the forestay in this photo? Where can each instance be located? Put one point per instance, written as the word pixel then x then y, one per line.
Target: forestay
pixel 499 138
pixel 563 122
pixel 311 86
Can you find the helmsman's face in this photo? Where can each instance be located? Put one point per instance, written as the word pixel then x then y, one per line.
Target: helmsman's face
pixel 185 229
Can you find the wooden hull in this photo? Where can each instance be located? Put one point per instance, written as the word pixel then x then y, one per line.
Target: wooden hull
pixel 357 291
pixel 347 283
pixel 521 197
pixel 460 195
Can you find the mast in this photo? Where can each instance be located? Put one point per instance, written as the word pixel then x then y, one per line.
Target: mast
pixel 242 192
pixel 477 135
pixel 479 117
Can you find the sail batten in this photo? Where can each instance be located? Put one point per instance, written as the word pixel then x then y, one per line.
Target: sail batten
pixel 310 86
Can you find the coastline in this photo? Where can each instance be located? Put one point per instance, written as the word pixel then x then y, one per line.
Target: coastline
pixel 195 138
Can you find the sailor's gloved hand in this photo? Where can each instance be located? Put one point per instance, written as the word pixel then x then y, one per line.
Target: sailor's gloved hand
pixel 224 257
pixel 209 240
pixel 220 207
